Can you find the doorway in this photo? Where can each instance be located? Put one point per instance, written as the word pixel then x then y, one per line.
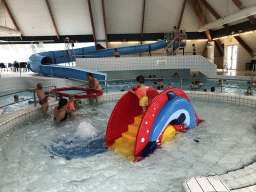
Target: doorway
pixel 231 57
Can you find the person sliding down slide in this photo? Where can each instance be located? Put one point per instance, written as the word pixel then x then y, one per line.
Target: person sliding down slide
pixel 141 93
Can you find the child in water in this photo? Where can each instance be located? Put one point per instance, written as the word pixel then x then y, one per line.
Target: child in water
pixel 43 99
pixel 70 105
pixel 77 103
pixel 141 93
pixel 249 91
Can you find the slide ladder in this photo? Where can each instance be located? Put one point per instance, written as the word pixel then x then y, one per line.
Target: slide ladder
pixel 179 42
pixel 125 144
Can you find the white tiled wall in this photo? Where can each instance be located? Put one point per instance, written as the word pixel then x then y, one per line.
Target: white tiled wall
pixel 149 63
pixel 9 120
pixel 22 83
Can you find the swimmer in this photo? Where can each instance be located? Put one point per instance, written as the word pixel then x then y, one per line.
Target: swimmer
pixel 16 98
pixel 43 99
pixel 141 93
pixel 77 103
pixel 94 84
pixel 60 111
pixel 70 106
pixel 200 82
pixel 212 89
pixel 249 91
pixel 220 82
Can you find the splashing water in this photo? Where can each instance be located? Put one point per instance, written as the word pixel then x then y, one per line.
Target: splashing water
pixel 83 143
pixel 86 130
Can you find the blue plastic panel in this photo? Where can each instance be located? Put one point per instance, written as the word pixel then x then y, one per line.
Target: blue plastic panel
pixel 170 111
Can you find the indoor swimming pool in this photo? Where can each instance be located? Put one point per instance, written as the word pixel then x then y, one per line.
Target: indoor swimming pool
pixel 37 155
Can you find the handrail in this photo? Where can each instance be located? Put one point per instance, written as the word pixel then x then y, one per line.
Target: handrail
pixel 34 96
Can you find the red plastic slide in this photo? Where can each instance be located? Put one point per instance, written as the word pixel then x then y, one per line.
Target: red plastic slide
pixel 123 115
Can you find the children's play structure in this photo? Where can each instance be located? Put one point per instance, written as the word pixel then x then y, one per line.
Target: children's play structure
pixel 135 136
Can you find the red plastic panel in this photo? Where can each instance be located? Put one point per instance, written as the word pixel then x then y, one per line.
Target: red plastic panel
pixel 90 92
pixel 123 115
pixel 149 119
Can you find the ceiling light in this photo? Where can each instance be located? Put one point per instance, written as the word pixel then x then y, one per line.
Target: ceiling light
pixel 215 39
pixel 133 42
pixel 224 37
pixel 116 42
pixel 202 40
pixel 248 32
pixel 235 35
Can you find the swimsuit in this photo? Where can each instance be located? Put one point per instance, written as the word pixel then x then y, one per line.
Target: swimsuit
pixel 143 101
pixel 64 118
pixel 44 100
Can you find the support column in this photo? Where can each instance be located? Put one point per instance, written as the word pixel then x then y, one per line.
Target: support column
pixel 210 51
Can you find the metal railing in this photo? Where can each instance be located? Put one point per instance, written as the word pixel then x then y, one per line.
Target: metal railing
pixel 21 100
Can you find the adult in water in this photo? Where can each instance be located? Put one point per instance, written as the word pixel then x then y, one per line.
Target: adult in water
pixel 93 84
pixel 60 111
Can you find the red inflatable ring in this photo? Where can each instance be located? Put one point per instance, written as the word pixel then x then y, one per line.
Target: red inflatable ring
pixel 90 92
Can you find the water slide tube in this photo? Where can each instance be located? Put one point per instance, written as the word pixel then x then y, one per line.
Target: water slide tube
pixel 43 63
pixel 172 106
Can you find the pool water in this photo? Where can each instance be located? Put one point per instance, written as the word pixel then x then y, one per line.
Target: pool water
pixel 24 98
pixel 40 156
pixel 230 86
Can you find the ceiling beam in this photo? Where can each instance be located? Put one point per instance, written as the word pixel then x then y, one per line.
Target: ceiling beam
pixel 200 16
pixel 213 12
pixel 92 23
pixel 245 46
pixel 219 47
pixel 52 18
pixel 12 18
pixel 143 18
pixel 105 22
pixel 239 4
pixel 181 14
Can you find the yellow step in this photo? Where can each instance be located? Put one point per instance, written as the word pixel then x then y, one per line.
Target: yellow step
pixel 130 136
pixel 133 128
pixel 138 119
pixel 124 147
pixel 169 134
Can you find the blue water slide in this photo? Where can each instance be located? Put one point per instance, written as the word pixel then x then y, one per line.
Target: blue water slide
pixel 43 62
pixel 174 110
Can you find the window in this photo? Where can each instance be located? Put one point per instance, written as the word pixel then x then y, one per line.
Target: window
pixel 231 56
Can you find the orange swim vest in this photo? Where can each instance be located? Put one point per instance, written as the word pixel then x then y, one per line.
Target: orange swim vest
pixel 70 107
pixel 140 93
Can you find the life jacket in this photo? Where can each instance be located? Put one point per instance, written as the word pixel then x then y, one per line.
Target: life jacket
pixel 140 93
pixel 70 107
